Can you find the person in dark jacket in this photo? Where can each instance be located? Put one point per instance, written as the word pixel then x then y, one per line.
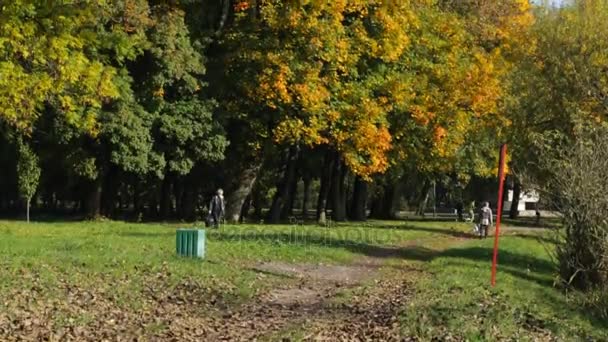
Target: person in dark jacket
pixel 216 208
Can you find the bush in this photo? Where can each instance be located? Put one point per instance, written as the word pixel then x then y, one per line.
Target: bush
pixel 577 182
pixel 596 301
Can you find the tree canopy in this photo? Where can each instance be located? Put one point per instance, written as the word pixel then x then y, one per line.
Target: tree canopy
pixel 141 108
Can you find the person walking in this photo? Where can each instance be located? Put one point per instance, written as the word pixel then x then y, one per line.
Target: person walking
pixel 485 220
pixel 217 208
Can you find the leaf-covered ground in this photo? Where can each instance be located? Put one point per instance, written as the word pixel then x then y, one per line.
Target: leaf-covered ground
pixel 414 281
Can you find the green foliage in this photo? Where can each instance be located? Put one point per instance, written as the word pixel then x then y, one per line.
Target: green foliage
pixel 28 171
pixel 558 108
pixel 187 134
pixel 562 81
pixel 51 54
pixel 126 134
pixel 575 182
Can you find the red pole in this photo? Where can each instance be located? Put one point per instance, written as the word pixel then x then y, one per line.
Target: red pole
pixel 501 183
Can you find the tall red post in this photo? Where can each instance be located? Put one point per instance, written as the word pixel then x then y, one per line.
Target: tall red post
pixel 501 186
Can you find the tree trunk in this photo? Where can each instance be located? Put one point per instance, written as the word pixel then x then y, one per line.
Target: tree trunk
pixel 28 210
pixel 359 202
pixel 305 199
pixel 338 190
pixel 514 212
pixel 245 208
pixel 223 17
pixel 236 198
pixel 108 197
pixel 93 204
pixel 328 163
pixel 153 203
pixel 281 198
pixel 165 198
pixel 178 190
pixel 424 198
pixel 287 210
pixel 256 200
pixel 137 208
pixel 385 205
pixel 188 206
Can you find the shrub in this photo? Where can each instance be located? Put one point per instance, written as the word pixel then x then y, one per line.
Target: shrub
pixel 576 180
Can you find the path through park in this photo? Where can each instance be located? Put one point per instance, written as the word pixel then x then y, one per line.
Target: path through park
pixel 356 302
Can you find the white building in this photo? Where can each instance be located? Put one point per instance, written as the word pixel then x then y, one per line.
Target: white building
pixel 527 202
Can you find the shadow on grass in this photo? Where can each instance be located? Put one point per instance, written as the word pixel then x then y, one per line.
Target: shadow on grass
pixel 542 238
pixel 378 245
pixel 539 236
pixel 527 222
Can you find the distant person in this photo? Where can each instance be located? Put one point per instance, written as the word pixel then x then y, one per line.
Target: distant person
pixel 485 220
pixel 216 208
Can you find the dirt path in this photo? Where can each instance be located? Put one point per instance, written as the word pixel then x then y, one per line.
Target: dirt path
pixel 357 302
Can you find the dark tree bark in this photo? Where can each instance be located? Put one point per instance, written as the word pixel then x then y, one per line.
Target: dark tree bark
pixel 165 197
pixel 236 198
pixel 137 206
pixel 223 16
pixel 384 206
pixel 358 210
pixel 110 192
pixel 338 190
pixel 281 197
pixel 306 197
pixel 514 212
pixel 256 200
pixel 326 180
pixel 424 198
pixel 287 210
pixel 27 214
pixel 179 190
pixel 120 198
pixel 153 199
pixel 245 209
pixel 328 163
pixel 93 202
pixel 188 206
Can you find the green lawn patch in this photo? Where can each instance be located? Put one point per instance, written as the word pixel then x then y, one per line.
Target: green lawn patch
pixel 456 299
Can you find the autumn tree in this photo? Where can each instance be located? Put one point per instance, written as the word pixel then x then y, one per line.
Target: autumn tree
pixel 312 67
pixel 447 114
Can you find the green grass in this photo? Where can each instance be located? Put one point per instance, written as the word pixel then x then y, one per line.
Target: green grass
pixel 457 299
pixel 128 263
pixel 92 252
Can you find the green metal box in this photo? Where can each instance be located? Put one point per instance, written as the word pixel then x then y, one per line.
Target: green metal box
pixel 190 243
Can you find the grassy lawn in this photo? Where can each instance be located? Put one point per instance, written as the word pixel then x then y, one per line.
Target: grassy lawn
pixel 456 299
pixel 113 249
pixel 73 274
